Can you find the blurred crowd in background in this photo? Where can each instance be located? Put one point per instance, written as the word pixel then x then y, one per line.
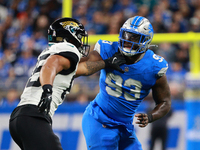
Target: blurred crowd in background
pixel 23 35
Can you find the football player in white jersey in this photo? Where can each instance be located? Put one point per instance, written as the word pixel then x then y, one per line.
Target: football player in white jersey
pixel 52 78
pixel 108 120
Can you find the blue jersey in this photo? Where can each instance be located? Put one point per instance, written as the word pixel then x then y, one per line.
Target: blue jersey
pixel 121 93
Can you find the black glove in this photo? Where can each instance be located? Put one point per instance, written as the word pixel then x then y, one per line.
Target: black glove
pixel 144 119
pixel 115 61
pixel 46 98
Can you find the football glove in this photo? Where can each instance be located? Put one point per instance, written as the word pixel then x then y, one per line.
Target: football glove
pixel 46 98
pixel 115 61
pixel 144 119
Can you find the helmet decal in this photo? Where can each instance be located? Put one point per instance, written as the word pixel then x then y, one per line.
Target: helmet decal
pixel 136 21
pixel 71 23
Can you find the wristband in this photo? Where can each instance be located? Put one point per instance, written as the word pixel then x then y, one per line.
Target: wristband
pixel 150 118
pixel 47 87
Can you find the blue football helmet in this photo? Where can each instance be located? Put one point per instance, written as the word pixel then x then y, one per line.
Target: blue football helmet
pixel 135 36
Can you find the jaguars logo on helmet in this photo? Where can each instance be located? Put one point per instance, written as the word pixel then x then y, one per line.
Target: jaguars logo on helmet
pixel 64 24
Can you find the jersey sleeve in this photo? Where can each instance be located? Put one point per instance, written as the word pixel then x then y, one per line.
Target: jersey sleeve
pixel 68 51
pixel 97 47
pixel 161 65
pixel 105 48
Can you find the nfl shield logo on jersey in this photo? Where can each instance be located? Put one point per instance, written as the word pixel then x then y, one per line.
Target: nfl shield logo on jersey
pixel 126 69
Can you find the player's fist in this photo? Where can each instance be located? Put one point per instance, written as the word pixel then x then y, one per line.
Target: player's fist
pixel 46 98
pixel 115 61
pixel 143 119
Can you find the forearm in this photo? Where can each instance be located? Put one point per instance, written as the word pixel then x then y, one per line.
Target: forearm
pixel 93 67
pixel 162 98
pixel 160 110
pixel 89 67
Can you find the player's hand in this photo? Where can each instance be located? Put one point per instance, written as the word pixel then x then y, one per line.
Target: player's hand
pixel 142 120
pixel 115 61
pixel 46 98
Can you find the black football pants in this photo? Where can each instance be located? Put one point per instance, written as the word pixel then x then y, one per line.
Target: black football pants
pixel 33 133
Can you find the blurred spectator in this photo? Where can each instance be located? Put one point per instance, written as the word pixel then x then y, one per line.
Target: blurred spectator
pixel 149 3
pixel 128 8
pixel 182 54
pixel 195 24
pixel 180 20
pixel 9 56
pixel 163 8
pixel 158 24
pixel 39 42
pixel 11 99
pixel 52 9
pixel 41 24
pixel 167 50
pixel 88 85
pixel 143 10
pixel 195 21
pixel 4 70
pixel 3 13
pixel 25 62
pixel 175 28
pixel 33 9
pixel 80 11
pixel 176 72
pixel 83 99
pixel 25 29
pixel 107 6
pixel 11 80
pixel 177 91
pixel 115 22
pixel 159 131
pixel 98 23
pixel 176 77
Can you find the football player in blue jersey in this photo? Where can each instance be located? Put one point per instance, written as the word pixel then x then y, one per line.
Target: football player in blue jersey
pixel 108 120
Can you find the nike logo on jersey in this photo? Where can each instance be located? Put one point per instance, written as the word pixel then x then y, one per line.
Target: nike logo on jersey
pixel 114 59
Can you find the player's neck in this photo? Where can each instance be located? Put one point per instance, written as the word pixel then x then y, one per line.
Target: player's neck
pixel 134 59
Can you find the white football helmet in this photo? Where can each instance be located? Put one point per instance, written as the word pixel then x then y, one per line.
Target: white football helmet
pixel 135 36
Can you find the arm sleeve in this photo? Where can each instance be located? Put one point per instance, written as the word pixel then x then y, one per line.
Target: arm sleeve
pixel 97 47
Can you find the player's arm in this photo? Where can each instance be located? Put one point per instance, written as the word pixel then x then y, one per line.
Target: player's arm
pixel 52 66
pixel 94 63
pixel 162 98
pixel 90 64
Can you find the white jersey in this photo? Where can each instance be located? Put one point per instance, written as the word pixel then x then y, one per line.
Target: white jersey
pixel 62 82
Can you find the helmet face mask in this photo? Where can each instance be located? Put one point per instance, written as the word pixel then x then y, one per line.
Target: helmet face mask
pixel 135 36
pixel 70 30
pixel 84 49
